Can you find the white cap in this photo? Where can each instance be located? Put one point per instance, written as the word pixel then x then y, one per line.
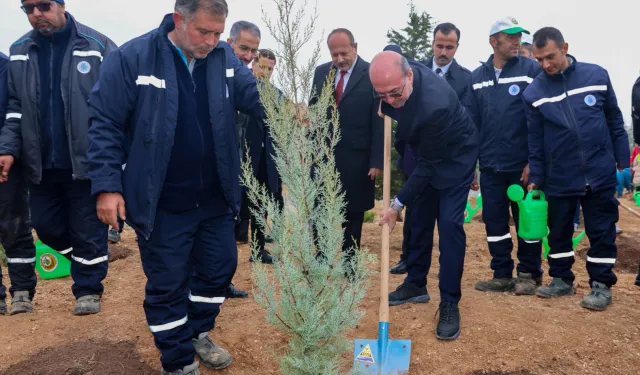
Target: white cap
pixel 526 39
pixel 507 25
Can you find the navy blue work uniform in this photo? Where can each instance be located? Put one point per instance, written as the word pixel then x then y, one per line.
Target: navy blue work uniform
pixel 176 121
pixel 576 140
pixel 496 107
pixel 50 78
pixel 15 223
pixel 446 144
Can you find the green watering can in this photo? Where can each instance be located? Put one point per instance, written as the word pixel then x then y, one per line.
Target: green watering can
pixel 576 241
pixel 470 211
pixel 533 212
pixel 636 196
pixel 50 264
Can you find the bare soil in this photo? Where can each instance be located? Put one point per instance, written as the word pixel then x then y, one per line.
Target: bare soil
pixel 501 333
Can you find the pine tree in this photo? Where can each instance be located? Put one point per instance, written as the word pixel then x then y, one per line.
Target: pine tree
pixel 304 295
pixel 415 38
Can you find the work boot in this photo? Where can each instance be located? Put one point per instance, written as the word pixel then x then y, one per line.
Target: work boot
pixel 192 369
pixel 3 306
pixel 399 269
pixel 233 292
pixel 212 355
pixel 263 256
pixel 87 305
pixel 113 236
pixel 599 298
pixel 506 284
pixel 21 303
pixel 407 292
pixel 449 322
pixel 557 288
pixel 525 285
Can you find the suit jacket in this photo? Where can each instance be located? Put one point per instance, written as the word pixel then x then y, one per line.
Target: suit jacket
pixel 635 111
pixel 361 146
pixel 458 77
pixel 442 133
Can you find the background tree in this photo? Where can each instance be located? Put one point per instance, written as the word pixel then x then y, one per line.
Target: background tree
pixel 306 295
pixel 415 38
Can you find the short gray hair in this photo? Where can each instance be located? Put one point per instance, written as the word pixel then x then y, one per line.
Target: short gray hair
pixel 404 65
pixel 188 8
pixel 241 26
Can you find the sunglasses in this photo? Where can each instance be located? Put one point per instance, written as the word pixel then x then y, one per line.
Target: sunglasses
pixel 392 94
pixel 42 7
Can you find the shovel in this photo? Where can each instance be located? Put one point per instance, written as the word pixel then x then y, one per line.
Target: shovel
pixel 383 356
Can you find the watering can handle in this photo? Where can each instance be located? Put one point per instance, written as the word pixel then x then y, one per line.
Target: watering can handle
pixel 532 193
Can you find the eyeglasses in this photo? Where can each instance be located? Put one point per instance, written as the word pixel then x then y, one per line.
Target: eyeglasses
pixel 244 48
pixel 392 94
pixel 42 7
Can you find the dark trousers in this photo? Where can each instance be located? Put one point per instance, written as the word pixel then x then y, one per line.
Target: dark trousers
pixel 406 233
pixel 600 211
pixel 189 261
pixel 256 230
pixel 15 234
pixel 495 214
pixel 244 218
pixel 352 233
pixel 447 208
pixel 576 216
pixel 64 216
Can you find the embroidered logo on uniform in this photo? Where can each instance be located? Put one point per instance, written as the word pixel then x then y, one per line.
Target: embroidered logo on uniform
pixel 514 90
pixel 590 100
pixel 84 67
pixel 514 21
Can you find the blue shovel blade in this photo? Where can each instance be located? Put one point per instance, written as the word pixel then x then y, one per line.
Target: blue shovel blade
pixel 369 360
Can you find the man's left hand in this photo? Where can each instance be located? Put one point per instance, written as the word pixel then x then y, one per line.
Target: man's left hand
pixel 389 217
pixel 374 172
pixel 525 176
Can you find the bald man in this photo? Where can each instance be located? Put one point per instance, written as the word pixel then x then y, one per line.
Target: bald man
pixel 446 141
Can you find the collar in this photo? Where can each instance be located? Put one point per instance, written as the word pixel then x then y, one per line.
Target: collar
pixel 489 63
pixel 567 72
pixel 58 36
pixel 444 69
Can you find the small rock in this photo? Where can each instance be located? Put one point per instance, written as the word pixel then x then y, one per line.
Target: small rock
pixel 521 339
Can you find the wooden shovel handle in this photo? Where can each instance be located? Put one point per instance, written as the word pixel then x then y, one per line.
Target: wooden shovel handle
pixel 384 256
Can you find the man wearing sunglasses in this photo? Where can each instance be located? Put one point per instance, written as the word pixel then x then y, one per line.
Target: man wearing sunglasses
pixel 359 154
pixel 51 72
pixel 446 145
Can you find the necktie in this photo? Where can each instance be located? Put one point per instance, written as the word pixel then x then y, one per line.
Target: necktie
pixel 439 72
pixel 340 88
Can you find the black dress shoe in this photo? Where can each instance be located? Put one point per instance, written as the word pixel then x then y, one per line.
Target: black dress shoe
pixel 233 292
pixel 400 268
pixel 263 256
pixel 268 239
pixel 449 323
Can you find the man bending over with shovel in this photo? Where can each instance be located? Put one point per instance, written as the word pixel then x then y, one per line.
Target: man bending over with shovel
pixel 447 147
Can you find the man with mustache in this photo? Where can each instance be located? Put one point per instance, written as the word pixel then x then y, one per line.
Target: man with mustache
pixel 169 98
pixel 359 154
pixel 496 107
pixel 51 72
pixel 576 141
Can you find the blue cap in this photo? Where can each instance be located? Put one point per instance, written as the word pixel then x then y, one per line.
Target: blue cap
pixel 394 48
pixel 57 1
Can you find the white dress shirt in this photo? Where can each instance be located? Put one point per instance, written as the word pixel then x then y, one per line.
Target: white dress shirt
pixel 444 69
pixel 346 76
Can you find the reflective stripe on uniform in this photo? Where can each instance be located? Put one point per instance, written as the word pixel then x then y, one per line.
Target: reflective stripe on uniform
pixel 168 326
pixel 206 299
pixel 19 58
pixel 21 260
pixel 562 255
pixel 87 54
pixel 601 260
pixel 91 262
pixel 558 98
pixel 150 80
pixel 14 115
pixel 499 238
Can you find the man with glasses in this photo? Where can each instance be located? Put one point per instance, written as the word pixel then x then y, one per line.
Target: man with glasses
pixel 51 73
pixel 359 154
pixel 446 144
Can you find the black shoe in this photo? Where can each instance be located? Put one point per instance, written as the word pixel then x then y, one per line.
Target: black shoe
pixel 449 322
pixel 263 256
pixel 233 292
pixel 268 239
pixel 408 293
pixel 242 239
pixel 399 269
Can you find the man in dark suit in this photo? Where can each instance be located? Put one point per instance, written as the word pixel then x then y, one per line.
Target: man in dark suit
pixel 359 154
pixel 445 141
pixel 446 39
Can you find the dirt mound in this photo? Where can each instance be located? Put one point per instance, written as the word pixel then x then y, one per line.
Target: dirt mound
pixel 84 358
pixel 490 372
pixel 118 251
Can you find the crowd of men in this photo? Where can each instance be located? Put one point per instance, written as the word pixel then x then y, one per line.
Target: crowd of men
pixel 153 132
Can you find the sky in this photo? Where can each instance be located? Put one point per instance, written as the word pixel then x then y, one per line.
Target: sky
pixel 603 33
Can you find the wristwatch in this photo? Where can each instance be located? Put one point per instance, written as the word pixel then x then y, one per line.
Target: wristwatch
pixel 396 205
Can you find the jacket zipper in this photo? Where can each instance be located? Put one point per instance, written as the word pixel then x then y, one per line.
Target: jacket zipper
pixel 577 129
pixel 201 143
pixel 51 93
